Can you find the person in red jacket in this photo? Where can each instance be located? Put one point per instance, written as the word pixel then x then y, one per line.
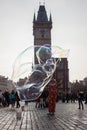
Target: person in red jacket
pixel 53 92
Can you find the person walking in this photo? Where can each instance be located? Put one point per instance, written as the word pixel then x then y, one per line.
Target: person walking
pixel 6 95
pixel 86 97
pixel 1 97
pixel 80 99
pixel 52 96
pixel 17 100
pixel 12 99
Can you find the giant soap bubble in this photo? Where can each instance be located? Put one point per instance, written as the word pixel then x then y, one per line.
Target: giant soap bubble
pixel 31 76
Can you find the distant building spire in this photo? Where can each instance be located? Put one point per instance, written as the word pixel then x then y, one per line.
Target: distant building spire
pixel 34 19
pixel 50 18
pixel 41 2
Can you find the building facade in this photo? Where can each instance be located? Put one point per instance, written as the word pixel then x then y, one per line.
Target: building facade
pixel 42 26
pixel 6 84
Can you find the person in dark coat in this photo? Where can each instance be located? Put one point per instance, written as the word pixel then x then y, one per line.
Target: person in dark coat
pixel 6 95
pixel 80 99
pixel 86 97
pixel 17 99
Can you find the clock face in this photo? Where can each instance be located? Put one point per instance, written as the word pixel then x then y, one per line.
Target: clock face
pixel 42 32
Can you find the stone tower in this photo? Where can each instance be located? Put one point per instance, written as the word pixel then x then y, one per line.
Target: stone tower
pixel 42 35
pixel 42 28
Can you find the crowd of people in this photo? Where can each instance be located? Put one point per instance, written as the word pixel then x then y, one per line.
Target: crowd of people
pixel 48 98
pixel 9 98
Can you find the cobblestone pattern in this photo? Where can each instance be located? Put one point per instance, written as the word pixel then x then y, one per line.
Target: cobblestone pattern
pixel 67 117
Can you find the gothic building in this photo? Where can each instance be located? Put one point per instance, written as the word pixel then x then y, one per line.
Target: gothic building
pixel 42 26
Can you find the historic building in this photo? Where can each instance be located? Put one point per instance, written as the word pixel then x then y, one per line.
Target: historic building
pixel 42 26
pixel 6 84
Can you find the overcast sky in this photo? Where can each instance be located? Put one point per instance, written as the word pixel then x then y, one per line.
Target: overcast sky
pixel 69 31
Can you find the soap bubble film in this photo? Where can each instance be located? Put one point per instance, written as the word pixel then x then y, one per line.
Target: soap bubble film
pixel 30 77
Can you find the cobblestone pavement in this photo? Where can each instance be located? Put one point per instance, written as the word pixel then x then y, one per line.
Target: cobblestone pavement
pixel 67 117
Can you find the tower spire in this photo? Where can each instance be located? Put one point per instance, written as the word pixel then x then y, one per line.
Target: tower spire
pixel 50 18
pixel 34 19
pixel 41 2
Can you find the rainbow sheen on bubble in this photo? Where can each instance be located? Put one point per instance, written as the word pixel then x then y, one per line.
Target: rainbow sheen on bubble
pixel 35 77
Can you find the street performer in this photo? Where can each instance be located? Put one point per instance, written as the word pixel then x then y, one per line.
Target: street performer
pixel 53 92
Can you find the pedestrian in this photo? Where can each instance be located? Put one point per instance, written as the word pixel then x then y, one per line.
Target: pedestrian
pixel 80 99
pixel 41 104
pixel 37 102
pixel 12 98
pixel 67 97
pixel 53 92
pixel 44 95
pixel 6 95
pixel 1 97
pixel 17 100
pixel 86 97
